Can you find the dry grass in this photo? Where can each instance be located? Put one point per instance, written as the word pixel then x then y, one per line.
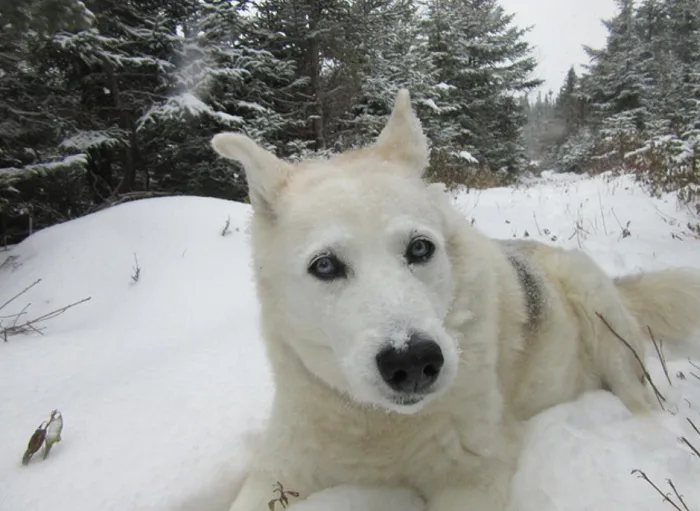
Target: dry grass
pixel 455 172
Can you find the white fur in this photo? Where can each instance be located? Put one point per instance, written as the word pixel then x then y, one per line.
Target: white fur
pixel 334 421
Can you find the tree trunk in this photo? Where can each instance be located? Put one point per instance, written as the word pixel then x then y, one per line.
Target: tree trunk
pixel 315 72
pixel 129 178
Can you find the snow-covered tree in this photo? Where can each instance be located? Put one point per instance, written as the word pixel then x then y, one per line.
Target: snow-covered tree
pixel 121 65
pixel 37 178
pixel 483 63
pixel 222 83
pixel 106 100
pixel 642 96
pixel 397 56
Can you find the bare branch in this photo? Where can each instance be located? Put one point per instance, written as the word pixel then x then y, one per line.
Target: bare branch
pixel 678 495
pixel 693 425
pixel 31 325
pixel 8 302
pixel 659 352
pixel 691 446
pixel 658 490
pixel 659 396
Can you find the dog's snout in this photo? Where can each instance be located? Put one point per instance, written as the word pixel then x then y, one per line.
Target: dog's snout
pixel 412 367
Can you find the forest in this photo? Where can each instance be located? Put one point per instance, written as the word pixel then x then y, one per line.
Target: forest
pixel 106 101
pixel 636 105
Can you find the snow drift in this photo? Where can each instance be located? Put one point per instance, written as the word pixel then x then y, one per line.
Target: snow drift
pixel 163 384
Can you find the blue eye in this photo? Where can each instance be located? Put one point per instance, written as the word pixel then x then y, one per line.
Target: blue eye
pixel 420 250
pixel 327 267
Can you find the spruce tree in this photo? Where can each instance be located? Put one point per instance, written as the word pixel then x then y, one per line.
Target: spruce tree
pixel 482 62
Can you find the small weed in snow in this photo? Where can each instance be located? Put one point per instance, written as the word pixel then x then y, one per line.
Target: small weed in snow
pixel 674 499
pixel 137 271
pixel 227 227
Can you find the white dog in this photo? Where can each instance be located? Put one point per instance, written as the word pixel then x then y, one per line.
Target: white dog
pixel 406 346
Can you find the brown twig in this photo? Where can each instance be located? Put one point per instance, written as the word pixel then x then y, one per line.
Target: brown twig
pixel 659 396
pixel 658 490
pixel 693 425
pixel 659 352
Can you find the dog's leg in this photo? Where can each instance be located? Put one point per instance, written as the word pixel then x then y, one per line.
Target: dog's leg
pixel 473 498
pixel 612 335
pixel 487 490
pixel 348 497
pixel 620 357
pixel 462 499
pixel 625 378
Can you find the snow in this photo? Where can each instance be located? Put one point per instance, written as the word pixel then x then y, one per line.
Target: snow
pixel 163 383
pixel 67 161
pixel 84 140
pixel 177 105
pixel 253 106
pixel 445 86
pixel 430 103
pixel 466 155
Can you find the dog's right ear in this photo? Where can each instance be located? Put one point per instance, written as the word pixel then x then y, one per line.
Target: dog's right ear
pixel 266 174
pixel 402 140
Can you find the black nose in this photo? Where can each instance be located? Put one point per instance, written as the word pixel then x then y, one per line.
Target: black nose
pixel 412 367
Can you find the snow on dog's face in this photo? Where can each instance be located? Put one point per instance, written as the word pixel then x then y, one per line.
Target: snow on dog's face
pixel 352 266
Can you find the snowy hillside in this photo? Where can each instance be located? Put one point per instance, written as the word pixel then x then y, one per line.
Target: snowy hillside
pixel 162 380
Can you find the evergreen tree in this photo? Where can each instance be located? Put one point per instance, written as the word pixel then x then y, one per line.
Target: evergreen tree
pixel 121 65
pixel 483 63
pixel 618 101
pixel 222 83
pixel 397 57
pixel 640 97
pixel 35 101
pixel 313 35
pixel 110 101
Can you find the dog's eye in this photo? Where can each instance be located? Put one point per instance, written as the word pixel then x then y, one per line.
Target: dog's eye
pixel 327 267
pixel 419 251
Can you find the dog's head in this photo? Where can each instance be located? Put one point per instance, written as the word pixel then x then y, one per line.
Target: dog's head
pixel 351 257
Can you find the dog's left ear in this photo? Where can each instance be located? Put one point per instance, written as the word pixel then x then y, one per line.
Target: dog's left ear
pixel 402 140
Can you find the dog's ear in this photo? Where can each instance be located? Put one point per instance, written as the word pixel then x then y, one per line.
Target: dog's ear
pixel 266 174
pixel 402 140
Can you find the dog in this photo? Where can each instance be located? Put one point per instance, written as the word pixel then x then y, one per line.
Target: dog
pixel 406 346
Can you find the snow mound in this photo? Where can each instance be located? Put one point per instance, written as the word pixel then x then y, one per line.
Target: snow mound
pixel 163 382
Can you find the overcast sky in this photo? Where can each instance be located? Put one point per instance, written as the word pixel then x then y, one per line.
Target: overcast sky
pixel 560 28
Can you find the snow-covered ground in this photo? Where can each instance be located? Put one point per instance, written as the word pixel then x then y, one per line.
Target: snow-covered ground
pixel 163 382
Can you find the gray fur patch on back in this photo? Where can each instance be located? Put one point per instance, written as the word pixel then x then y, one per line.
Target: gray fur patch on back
pixel 530 281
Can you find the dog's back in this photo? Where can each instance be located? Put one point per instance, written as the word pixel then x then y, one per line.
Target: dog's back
pixel 589 330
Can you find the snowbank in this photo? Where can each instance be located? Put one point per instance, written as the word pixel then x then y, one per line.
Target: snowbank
pixel 163 382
